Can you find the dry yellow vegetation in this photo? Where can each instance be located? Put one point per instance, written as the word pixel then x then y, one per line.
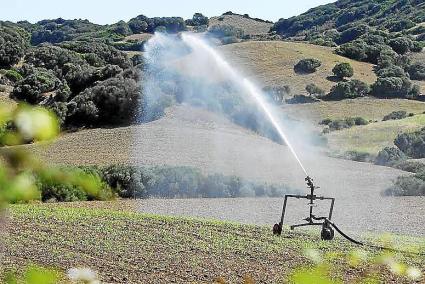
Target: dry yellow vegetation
pixel 272 62
pixel 249 26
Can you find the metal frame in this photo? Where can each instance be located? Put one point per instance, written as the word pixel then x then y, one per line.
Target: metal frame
pixel 312 197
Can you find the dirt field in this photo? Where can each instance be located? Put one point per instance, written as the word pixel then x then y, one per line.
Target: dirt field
pixel 249 26
pixel 192 137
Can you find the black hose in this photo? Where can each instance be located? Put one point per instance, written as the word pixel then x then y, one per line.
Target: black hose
pixel 369 245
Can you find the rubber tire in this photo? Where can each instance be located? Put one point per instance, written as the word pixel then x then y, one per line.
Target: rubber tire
pixel 277 229
pixel 327 233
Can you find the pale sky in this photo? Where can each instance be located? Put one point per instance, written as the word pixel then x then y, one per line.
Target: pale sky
pixel 108 12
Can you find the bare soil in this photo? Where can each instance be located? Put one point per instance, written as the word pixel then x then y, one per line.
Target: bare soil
pixel 191 137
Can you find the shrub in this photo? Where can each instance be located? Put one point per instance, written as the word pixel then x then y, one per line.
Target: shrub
pixel 410 166
pixel 13 75
pixel 34 87
pixel 412 144
pixel 138 24
pixel 352 33
pixel 401 45
pixel 357 156
pixel 113 101
pixel 417 71
pixel 222 31
pixel 391 71
pixel 277 93
pixel 309 65
pixel 342 70
pixel 394 87
pixel 390 156
pixel 13 44
pixel 124 180
pixel 301 99
pixel 313 89
pixel 400 114
pixel 407 186
pixel 339 124
pixel 348 90
pixel 198 20
pixel 353 50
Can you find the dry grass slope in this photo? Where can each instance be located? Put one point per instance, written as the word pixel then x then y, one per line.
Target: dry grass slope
pixel 375 136
pixel 272 62
pixel 249 26
pixel 368 108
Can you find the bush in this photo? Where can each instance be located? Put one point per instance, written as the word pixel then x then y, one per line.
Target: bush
pixel 277 93
pixel 410 166
pixel 307 66
pixel 342 70
pixel 348 90
pixel 407 186
pixel 301 99
pixel 313 89
pixel 338 124
pixel 391 71
pixel 138 24
pixel 395 115
pixel 389 156
pixel 113 101
pixel 222 31
pixel 13 44
pixel 352 33
pixel 412 144
pixel 401 45
pixel 13 75
pixel 34 87
pixel 198 20
pixel 353 50
pixel 394 87
pixel 357 156
pixel 417 71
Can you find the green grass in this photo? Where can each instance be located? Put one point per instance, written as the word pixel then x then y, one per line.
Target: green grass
pixel 128 247
pixel 375 136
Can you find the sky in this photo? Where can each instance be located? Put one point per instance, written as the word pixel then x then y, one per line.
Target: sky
pixel 108 12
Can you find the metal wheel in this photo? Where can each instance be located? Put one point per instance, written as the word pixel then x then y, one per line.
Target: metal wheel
pixel 277 229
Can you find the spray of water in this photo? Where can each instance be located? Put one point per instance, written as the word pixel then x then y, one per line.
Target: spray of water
pixel 198 44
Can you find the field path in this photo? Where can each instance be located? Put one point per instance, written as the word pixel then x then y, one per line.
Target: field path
pixel 192 137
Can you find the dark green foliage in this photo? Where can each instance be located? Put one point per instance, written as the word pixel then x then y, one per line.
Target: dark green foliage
pixel 338 124
pixel 13 43
pixel 394 87
pixel 98 54
pixel 401 45
pixel 36 86
pixel 348 90
pixel 343 70
pixel 307 66
pixel 138 25
pixel 355 50
pixel 301 99
pixel 410 166
pixel 13 75
pixel 53 58
pixel 121 28
pixel 126 181
pixel 412 144
pixel 400 25
pixel 417 71
pixel 352 33
pixel 400 114
pixel 391 71
pixel 313 89
pixel 407 186
pixel 112 101
pixel 390 156
pixel 198 20
pixel 225 31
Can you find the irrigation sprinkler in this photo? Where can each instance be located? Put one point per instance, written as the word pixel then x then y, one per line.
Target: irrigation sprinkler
pixel 327 232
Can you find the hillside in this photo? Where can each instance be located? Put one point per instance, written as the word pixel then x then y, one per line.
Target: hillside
pixel 271 63
pixel 216 145
pixel 248 25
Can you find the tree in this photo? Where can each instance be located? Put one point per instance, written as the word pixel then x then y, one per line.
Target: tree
pixel 348 90
pixel 308 65
pixel 342 70
pixel 394 87
pixel 313 89
pixel 412 144
pixel 198 20
pixel 401 45
pixel 417 71
pixel 13 44
pixel 389 156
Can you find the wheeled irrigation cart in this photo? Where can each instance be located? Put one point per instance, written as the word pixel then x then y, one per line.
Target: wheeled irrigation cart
pixel 312 220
